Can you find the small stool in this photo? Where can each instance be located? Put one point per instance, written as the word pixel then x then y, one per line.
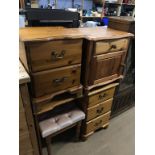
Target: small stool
pixel 60 123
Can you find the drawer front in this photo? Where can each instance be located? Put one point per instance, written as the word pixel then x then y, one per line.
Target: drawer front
pixel 111 46
pixel 99 109
pixel 97 122
pixel 53 54
pixel 51 81
pixel 101 96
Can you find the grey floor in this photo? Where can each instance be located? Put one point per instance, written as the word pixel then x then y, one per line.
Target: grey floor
pixel 118 139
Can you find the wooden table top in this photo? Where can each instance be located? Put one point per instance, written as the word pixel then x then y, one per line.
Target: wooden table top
pixel 29 34
pixel 23 75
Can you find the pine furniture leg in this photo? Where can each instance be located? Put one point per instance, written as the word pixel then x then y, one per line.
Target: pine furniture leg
pixel 48 143
pixel 78 127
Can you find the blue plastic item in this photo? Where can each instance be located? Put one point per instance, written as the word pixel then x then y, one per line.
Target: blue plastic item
pixel 105 21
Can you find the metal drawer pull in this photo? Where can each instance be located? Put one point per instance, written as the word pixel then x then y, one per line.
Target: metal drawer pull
pixel 55 56
pixel 99 111
pixel 59 81
pixel 113 47
pixel 98 123
pixel 102 96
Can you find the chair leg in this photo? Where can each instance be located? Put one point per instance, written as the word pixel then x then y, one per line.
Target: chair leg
pixel 78 128
pixel 48 143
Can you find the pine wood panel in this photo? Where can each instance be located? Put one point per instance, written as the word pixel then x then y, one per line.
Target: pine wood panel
pixel 97 123
pixel 21 108
pixel 46 106
pixel 27 138
pixel 99 109
pixel 23 75
pixel 52 33
pixel 106 67
pixel 53 54
pixel 25 144
pixel 54 80
pixel 23 128
pixel 111 46
pixel 22 55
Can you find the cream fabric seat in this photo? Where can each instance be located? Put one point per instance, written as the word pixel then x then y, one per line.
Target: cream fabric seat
pixel 59 122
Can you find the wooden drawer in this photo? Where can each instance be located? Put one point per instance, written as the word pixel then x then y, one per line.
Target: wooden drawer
pixel 111 46
pixel 97 122
pixel 99 109
pixel 53 54
pixel 55 80
pixel 101 94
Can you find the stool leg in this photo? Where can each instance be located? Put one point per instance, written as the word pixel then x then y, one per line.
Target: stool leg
pixel 78 128
pixel 48 143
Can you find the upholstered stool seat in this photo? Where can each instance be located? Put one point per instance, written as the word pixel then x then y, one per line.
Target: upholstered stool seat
pixel 59 122
pixel 51 126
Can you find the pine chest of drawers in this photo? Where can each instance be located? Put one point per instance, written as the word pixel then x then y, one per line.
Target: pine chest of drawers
pixel 103 62
pixel 53 65
pixel 97 106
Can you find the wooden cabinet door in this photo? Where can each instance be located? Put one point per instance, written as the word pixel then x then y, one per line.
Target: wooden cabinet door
pixel 106 67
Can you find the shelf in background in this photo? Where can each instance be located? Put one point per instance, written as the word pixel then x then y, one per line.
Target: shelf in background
pixel 120 3
pixel 113 3
pixel 90 17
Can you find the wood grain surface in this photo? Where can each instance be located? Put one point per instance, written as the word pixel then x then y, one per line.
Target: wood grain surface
pixel 52 33
pixel 97 122
pixel 123 19
pixel 111 46
pixel 99 109
pixel 101 96
pixel 50 81
pixel 23 75
pixel 27 133
pixel 122 23
pixel 53 54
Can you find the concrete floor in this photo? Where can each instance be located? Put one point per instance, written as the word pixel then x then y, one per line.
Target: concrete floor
pixel 117 139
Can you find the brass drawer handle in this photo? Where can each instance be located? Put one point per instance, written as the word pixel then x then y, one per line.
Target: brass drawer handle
pixel 55 56
pixel 102 96
pixel 113 47
pixel 59 81
pixel 98 123
pixel 99 111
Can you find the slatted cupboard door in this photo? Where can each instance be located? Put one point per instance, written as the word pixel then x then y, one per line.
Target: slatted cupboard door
pixel 106 66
